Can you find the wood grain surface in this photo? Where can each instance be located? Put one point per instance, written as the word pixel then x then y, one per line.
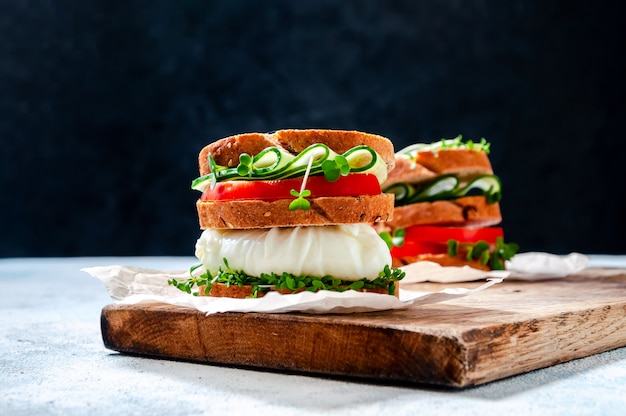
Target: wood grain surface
pixel 510 328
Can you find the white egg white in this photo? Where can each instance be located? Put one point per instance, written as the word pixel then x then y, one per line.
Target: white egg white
pixel 348 252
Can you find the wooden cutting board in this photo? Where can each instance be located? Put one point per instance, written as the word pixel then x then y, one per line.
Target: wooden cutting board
pixel 510 328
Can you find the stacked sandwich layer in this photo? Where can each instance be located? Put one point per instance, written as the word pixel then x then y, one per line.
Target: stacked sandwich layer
pixel 291 211
pixel 446 206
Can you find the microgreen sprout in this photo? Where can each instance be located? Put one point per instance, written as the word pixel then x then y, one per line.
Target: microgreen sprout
pixel 445 144
pixel 244 168
pixel 213 169
pixel 446 187
pixel 187 285
pixel 395 239
pixel 300 202
pixel 333 168
pixel 286 281
pixel 481 251
pixel 273 163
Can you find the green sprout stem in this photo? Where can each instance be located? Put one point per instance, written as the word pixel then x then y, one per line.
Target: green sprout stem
pixel 300 202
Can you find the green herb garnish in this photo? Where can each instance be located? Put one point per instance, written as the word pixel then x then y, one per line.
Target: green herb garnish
pixel 393 240
pixel 300 202
pixel 446 187
pixel 188 285
pixel 445 144
pixel 273 163
pixel 336 167
pixel 244 168
pixel 286 281
pixel 213 168
pixel 480 251
pixel 504 251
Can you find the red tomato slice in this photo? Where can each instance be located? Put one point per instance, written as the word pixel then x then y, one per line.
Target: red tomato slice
pixel 414 248
pixel 427 239
pixel 350 185
pixel 443 234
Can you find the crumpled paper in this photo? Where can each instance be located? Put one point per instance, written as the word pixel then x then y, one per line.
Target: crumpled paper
pixel 129 285
pixel 427 271
pixel 540 266
pixel 523 266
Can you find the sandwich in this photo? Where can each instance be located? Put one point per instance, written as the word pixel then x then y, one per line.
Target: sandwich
pixel 291 211
pixel 447 206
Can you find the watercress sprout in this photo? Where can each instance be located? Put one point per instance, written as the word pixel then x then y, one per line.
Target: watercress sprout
pixel 481 251
pixel 395 239
pixel 333 168
pixel 286 281
pixel 300 202
pixel 244 168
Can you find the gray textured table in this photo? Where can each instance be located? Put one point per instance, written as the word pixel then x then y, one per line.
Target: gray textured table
pixel 52 361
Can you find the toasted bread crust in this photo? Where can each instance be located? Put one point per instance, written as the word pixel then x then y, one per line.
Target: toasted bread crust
pixel 226 151
pixel 220 290
pixel 469 211
pixel 245 214
pixel 464 163
pixel 442 259
pixel 241 292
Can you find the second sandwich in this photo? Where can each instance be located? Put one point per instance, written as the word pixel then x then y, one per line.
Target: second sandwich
pixel 447 205
pixel 291 211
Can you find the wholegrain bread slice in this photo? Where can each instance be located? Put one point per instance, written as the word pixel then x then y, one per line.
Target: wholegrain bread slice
pixel 246 214
pixel 442 259
pixel 469 211
pixel 463 163
pixel 222 290
pixel 226 151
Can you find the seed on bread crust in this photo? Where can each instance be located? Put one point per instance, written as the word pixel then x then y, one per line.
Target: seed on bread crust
pixel 226 151
pixel 246 214
pixel 473 211
pixel 463 163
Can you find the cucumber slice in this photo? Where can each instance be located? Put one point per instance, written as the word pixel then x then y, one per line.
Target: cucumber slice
pixel 401 191
pixel 487 185
pixel 360 158
pixel 455 143
pixel 364 159
pixel 268 160
pixel 445 188
pixel 273 163
pixel 442 188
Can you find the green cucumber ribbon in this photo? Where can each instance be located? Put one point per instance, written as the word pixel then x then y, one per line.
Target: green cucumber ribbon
pixel 445 144
pixel 273 163
pixel 445 188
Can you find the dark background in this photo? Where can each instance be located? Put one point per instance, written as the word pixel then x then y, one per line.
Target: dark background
pixel 104 106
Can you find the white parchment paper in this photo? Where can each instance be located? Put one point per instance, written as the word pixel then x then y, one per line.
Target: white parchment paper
pixel 540 266
pixel 129 285
pixel 523 266
pixel 426 271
